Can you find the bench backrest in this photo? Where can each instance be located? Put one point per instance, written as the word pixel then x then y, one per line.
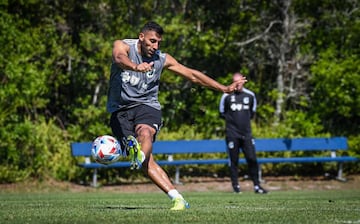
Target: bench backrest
pixel 219 146
pixel 301 144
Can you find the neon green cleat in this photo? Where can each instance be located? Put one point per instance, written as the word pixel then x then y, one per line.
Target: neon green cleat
pixel 134 150
pixel 180 204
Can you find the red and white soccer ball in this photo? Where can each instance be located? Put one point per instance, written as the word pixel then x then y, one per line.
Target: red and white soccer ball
pixel 106 149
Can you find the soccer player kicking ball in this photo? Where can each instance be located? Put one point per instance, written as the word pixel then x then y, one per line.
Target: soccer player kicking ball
pixel 133 100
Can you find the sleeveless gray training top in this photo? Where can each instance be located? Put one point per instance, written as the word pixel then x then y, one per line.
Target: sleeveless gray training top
pixel 129 88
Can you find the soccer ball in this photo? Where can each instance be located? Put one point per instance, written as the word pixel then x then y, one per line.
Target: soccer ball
pixel 106 149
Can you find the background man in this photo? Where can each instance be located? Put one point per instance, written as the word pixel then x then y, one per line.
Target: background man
pixel 238 108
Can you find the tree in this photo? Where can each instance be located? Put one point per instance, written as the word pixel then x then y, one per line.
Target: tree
pixel 282 55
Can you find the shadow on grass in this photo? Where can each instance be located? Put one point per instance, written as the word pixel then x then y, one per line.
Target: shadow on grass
pixel 121 207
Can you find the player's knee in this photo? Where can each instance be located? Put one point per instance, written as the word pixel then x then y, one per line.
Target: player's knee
pixel 144 131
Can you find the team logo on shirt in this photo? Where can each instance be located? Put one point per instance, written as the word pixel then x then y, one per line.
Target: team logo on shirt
pixel 127 78
pixel 134 80
pixel 246 100
pixel 236 106
pixel 150 73
pixel 144 86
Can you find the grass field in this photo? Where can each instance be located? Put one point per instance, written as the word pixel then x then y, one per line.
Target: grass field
pixel 332 206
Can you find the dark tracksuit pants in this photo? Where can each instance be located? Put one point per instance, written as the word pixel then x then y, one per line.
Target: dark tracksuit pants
pixel 248 148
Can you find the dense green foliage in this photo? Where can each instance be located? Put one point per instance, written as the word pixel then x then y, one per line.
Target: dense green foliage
pixel 301 59
pixel 330 206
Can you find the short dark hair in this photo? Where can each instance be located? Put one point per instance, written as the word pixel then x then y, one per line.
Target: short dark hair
pixel 152 26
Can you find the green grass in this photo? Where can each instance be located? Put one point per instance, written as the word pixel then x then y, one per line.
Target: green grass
pixel 332 206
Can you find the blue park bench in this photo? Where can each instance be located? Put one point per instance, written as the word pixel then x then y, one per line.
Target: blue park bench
pixel 332 147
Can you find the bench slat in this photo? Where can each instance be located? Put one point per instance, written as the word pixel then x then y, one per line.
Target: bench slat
pixel 301 144
pixel 219 146
pixel 225 161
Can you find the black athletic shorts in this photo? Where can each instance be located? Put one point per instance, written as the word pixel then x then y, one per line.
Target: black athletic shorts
pixel 123 122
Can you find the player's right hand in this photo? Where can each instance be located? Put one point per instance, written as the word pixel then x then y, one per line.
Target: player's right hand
pixel 144 67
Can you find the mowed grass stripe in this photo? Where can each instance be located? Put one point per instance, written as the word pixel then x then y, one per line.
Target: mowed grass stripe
pixel 333 206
